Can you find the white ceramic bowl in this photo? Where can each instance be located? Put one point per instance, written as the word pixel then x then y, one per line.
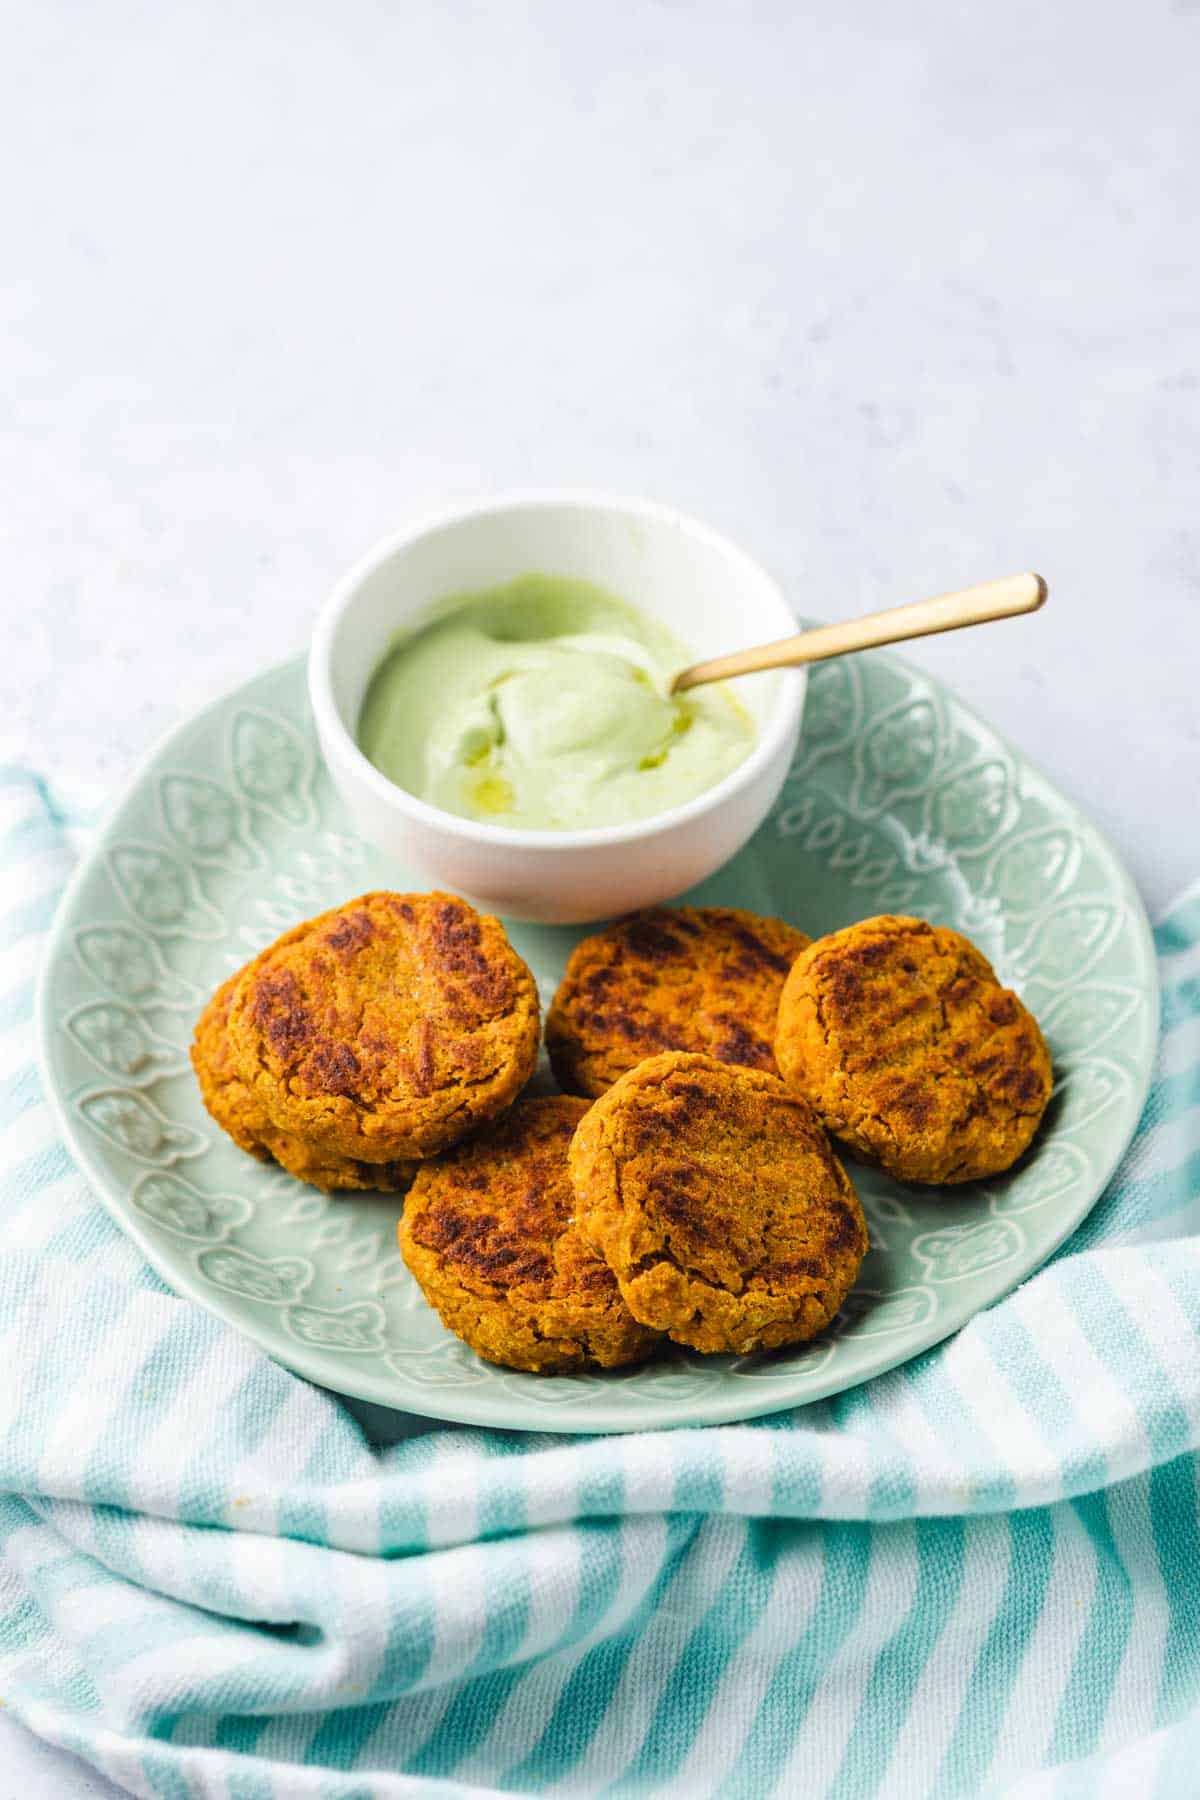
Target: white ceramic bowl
pixel 707 591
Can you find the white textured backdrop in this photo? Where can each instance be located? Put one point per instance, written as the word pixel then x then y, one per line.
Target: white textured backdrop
pixel 902 296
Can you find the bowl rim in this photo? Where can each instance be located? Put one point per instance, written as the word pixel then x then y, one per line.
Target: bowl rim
pixel 781 724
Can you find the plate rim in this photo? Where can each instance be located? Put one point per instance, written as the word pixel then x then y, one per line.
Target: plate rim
pixel 496 1408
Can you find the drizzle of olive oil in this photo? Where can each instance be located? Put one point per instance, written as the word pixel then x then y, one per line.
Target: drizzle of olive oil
pixel 492 794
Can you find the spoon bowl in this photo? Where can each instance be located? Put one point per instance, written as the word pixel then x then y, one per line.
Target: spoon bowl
pixel 679 572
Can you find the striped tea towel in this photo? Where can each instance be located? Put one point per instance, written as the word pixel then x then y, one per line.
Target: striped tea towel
pixel 979 1574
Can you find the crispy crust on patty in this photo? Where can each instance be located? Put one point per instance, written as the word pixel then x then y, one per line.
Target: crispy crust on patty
pixel 704 979
pixel 386 1029
pixel 911 1051
pixel 232 1105
pixel 714 1197
pixel 489 1235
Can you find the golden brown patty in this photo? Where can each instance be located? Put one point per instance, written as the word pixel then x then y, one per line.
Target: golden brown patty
pixel 489 1235
pixel 706 979
pixel 388 1028
pixel 713 1195
pixel 900 1035
pixel 232 1105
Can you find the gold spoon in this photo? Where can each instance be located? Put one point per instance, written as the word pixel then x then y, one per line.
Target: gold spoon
pixel 922 618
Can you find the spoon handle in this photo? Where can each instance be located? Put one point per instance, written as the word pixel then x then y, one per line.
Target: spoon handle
pixel 922 618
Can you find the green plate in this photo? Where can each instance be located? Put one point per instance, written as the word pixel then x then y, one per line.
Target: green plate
pixel 900 800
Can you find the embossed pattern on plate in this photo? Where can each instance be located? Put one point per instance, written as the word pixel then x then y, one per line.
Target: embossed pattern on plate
pixel 899 800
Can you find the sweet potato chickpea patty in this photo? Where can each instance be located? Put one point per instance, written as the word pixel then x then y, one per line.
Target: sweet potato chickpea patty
pixel 387 1028
pixel 704 979
pixel 714 1197
pixel 911 1051
pixel 489 1234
